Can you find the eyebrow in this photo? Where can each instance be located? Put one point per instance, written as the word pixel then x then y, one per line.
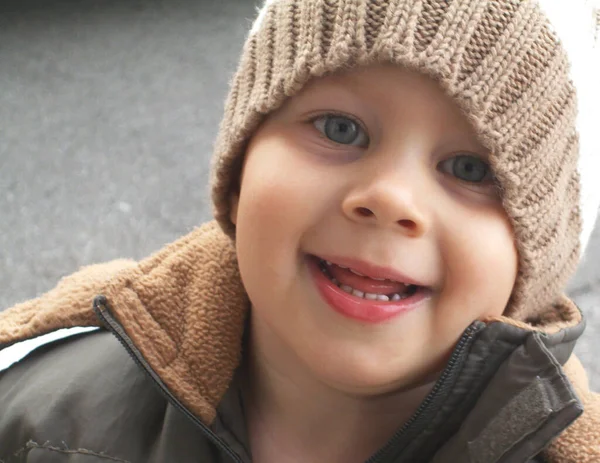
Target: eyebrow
pixel 328 85
pixel 333 92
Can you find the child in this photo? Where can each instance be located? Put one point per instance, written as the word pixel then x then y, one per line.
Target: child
pixel 397 207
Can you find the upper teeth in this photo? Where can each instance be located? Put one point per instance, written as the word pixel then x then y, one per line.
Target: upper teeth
pixel 370 296
pixel 354 271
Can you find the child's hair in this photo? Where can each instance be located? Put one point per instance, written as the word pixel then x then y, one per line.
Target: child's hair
pixel 501 62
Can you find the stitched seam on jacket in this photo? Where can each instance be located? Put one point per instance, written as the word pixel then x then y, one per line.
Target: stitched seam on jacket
pixel 19 454
pixel 47 446
pixel 165 362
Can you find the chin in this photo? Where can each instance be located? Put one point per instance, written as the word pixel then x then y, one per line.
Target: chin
pixel 367 378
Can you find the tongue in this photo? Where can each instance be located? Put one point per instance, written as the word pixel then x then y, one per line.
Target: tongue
pixel 365 284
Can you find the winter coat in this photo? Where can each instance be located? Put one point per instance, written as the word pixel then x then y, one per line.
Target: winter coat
pixel 157 382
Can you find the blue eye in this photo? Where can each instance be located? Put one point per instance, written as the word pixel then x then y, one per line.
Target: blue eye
pixel 341 129
pixel 467 168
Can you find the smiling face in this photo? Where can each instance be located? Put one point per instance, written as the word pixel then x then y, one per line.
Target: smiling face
pixel 377 166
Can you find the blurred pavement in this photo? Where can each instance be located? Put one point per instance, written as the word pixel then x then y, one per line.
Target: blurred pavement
pixel 108 112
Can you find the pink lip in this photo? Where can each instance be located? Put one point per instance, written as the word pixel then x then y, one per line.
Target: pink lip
pixel 362 309
pixel 371 270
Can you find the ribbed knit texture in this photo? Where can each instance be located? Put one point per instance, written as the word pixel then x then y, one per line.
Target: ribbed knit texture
pixel 499 60
pixel 597 31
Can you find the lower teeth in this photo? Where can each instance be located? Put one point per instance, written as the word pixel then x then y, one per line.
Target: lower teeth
pixel 369 296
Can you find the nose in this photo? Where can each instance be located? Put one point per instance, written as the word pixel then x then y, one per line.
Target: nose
pixel 389 201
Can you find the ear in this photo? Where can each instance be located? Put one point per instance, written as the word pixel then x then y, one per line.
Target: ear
pixel 234 200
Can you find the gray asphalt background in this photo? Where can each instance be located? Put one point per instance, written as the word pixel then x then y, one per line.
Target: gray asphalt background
pixel 108 112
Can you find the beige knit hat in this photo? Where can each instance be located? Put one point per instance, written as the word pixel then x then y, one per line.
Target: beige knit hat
pixel 502 63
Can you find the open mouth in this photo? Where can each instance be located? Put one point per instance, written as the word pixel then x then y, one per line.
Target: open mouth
pixel 362 286
pixel 367 299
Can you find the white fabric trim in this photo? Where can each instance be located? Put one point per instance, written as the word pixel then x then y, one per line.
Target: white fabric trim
pixel 575 24
pixel 262 11
pixel 13 354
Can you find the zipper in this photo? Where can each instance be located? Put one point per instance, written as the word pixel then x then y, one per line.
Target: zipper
pixel 102 309
pixel 419 419
pixel 421 416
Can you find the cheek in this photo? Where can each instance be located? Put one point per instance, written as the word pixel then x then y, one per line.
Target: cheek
pixel 278 189
pixel 481 261
pixel 282 196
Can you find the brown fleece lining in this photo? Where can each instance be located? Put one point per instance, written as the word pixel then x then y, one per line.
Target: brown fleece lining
pixel 184 308
pixel 564 314
pixel 65 306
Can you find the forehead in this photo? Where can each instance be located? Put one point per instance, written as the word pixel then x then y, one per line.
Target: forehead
pixel 387 92
pixel 382 81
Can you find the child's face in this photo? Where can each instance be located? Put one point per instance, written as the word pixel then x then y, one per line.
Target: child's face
pixel 389 179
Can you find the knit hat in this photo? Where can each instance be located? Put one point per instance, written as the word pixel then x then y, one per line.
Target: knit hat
pixel 502 63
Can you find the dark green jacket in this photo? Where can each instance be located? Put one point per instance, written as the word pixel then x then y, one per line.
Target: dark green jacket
pixel 157 381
